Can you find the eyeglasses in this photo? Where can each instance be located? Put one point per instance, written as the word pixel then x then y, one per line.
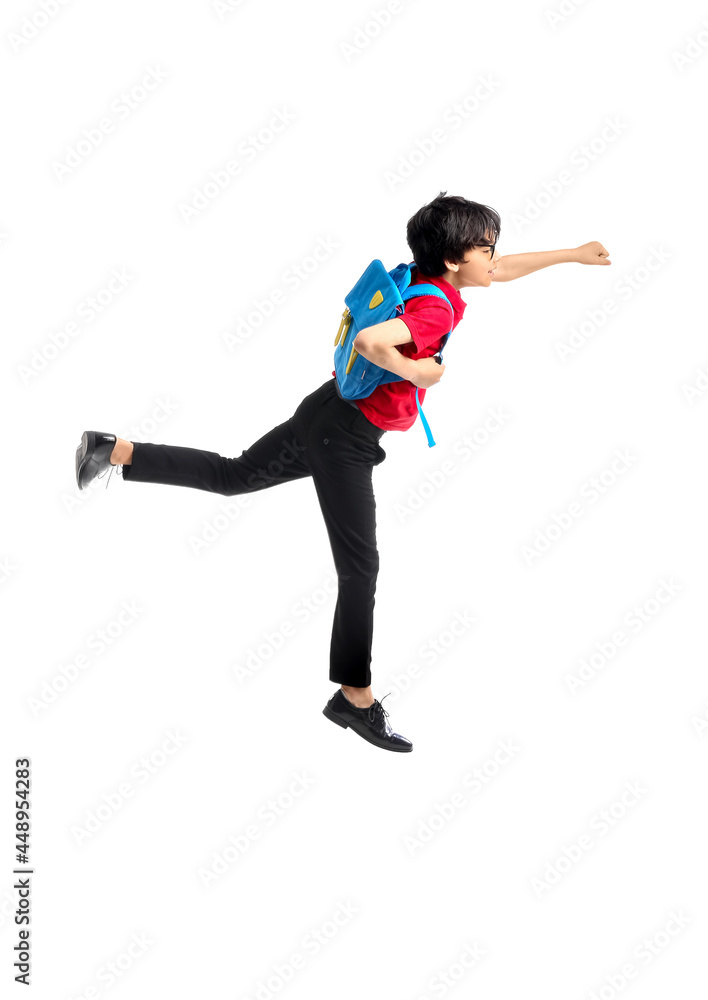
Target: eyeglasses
pixel 492 246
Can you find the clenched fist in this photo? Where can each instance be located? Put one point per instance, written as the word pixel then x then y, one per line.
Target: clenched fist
pixel 591 253
pixel 428 372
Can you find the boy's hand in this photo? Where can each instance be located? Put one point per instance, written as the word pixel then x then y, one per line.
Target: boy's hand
pixel 591 253
pixel 427 373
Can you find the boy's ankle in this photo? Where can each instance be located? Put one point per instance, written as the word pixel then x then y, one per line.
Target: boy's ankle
pixel 359 697
pixel 122 453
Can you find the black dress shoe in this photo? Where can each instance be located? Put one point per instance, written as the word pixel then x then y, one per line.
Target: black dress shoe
pixel 93 456
pixel 370 723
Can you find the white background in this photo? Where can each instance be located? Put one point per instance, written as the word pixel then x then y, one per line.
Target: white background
pixel 494 873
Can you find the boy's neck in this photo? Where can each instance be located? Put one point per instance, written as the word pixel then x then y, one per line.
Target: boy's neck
pixel 449 277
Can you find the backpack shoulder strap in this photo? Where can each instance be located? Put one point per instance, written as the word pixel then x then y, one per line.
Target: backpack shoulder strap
pixel 402 277
pixel 424 288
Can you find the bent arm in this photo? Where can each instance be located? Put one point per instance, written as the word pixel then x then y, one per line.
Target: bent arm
pixel 378 344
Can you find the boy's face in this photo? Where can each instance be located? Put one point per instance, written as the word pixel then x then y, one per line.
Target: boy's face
pixel 476 269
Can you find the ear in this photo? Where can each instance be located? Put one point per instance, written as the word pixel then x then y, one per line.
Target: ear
pixel 451 267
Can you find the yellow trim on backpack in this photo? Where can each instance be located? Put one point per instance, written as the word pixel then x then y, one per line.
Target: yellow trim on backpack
pixel 352 358
pixel 376 300
pixel 343 327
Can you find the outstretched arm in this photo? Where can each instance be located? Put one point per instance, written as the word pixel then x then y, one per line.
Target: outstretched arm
pixel 516 265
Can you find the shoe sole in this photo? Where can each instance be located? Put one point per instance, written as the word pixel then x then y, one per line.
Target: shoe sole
pixel 329 714
pixel 81 459
pixel 84 460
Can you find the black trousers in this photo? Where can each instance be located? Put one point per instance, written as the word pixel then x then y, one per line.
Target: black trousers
pixel 332 441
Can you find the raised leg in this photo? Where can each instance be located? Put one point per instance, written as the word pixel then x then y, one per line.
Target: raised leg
pixel 277 457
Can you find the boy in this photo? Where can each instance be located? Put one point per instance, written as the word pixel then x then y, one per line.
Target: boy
pixel 337 441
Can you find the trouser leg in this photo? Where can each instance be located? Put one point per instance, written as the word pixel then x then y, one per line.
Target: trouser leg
pixel 339 447
pixel 343 448
pixel 277 457
pixel 350 518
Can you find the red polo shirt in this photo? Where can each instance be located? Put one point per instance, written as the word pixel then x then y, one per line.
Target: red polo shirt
pixel 392 406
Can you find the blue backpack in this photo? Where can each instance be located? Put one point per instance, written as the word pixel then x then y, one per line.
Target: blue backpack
pixel 377 296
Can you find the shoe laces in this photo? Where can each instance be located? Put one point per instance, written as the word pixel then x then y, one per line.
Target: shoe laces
pixel 377 709
pixel 119 472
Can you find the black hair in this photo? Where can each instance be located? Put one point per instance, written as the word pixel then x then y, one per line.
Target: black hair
pixel 446 229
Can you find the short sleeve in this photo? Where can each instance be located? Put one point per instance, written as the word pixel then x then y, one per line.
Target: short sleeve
pixel 428 320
